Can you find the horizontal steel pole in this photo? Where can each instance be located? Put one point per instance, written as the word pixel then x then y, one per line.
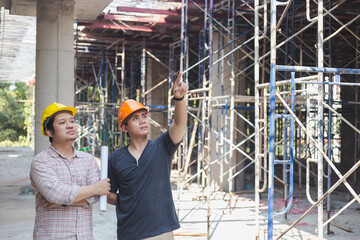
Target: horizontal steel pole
pixel 316 69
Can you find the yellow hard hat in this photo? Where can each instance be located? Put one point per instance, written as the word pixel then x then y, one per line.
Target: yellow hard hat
pixel 51 110
pixel 128 107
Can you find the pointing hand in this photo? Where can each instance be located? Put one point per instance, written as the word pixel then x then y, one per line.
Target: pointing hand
pixel 180 88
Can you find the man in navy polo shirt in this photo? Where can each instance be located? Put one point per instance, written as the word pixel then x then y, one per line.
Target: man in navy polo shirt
pixel 140 172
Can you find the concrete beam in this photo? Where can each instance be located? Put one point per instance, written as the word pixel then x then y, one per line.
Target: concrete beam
pixel 89 9
pixel 84 9
pixel 116 26
pixel 149 19
pixel 148 10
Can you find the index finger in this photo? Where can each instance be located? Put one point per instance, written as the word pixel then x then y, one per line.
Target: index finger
pixel 178 79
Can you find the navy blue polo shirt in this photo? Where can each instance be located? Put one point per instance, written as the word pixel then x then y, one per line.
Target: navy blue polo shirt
pixel 145 207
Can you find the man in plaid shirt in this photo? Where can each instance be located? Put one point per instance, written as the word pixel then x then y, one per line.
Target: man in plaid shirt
pixel 65 181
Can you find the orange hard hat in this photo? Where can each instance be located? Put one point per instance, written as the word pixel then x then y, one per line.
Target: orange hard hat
pixel 51 110
pixel 128 107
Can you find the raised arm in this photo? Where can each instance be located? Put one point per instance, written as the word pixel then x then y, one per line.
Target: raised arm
pixel 177 127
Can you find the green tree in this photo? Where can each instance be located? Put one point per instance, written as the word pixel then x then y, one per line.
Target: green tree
pixel 12 111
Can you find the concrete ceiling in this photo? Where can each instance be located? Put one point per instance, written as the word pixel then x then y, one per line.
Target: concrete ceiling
pixel 18 35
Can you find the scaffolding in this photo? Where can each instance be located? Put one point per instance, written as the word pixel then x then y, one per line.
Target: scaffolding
pixel 114 73
pixel 99 86
pixel 268 101
pixel 311 94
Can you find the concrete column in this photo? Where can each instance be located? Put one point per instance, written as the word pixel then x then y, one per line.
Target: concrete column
pixel 54 60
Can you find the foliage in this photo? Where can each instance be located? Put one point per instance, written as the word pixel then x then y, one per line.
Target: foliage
pixel 15 114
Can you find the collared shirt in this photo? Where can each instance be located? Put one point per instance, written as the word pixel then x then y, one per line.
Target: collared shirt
pixel 58 180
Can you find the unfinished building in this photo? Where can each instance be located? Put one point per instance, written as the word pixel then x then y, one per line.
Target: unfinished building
pixel 273 100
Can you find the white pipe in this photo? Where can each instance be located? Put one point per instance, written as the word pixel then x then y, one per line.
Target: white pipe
pixel 104 174
pixel 308 12
pixel 308 193
pixel 257 116
pixel 265 21
pixel 341 28
pixel 283 14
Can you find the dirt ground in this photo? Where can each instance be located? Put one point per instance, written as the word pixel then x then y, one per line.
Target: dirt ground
pixel 18 211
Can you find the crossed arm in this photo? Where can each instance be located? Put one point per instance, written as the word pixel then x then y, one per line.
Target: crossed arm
pixel 56 193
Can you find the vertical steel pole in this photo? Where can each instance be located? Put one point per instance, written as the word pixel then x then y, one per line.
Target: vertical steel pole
pixel 356 137
pixel 328 205
pixel 201 127
pixel 257 116
pixel 208 182
pixel 232 103
pixel 182 36
pixel 320 59
pixel 116 67
pixel 132 73
pixel 105 131
pixel 143 71
pixel 101 124
pixel 123 69
pixel 292 137
pixel 206 102
pixel 171 63
pixel 182 50
pixel 272 117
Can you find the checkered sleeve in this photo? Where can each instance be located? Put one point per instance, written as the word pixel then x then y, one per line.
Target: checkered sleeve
pixel 46 179
pixel 94 176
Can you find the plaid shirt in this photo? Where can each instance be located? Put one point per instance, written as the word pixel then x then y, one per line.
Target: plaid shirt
pixel 58 180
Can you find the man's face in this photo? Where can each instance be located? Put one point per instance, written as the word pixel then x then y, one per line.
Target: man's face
pixel 65 128
pixel 137 124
